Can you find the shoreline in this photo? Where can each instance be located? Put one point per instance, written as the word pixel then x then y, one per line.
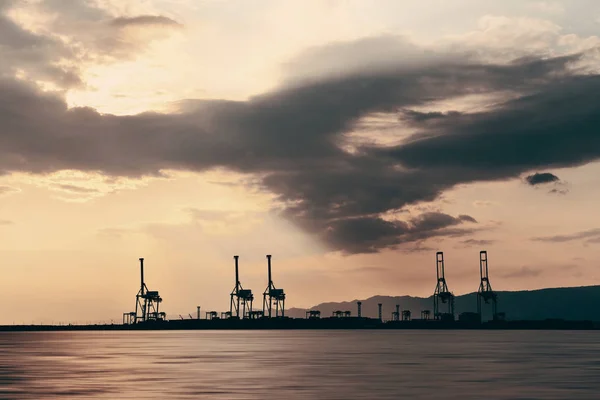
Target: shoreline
pixel 350 323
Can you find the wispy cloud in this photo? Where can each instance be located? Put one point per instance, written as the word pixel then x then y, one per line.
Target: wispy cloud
pixel 484 203
pixel 144 21
pixel 6 190
pixel 548 7
pixel 477 242
pixel 591 235
pixel 523 272
pixel 75 188
pixel 116 233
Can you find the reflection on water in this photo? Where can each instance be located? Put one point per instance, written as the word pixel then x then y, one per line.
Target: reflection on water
pixel 300 365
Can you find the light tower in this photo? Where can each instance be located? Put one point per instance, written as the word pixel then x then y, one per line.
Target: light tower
pixel 239 293
pixel 441 293
pixel 485 292
pixel 359 309
pixel 274 295
pixel 379 307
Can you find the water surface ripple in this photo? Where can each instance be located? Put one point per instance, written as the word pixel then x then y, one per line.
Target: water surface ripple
pixel 301 365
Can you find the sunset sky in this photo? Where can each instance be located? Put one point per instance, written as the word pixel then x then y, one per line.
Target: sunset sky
pixel 349 139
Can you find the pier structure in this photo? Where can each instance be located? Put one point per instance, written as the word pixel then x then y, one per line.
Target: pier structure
pixel 273 297
pixel 442 294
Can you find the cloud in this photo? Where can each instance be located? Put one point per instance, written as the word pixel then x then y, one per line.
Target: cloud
pixel 294 139
pixel 484 203
pixel 559 191
pixel 114 233
pixel 5 222
pixel 371 234
pixel 70 36
pixel 6 190
pixel 75 188
pixel 541 178
pixel 549 7
pixel 523 272
pixel 592 235
pixel 37 56
pixel 477 242
pixel 144 21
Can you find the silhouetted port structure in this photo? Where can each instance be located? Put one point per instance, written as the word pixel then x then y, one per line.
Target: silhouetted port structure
pixel 341 314
pixel 212 315
pixel 485 292
pixel 441 293
pixel 147 303
pixel 396 314
pixel 272 316
pixel 239 294
pixel 273 296
pixel 241 315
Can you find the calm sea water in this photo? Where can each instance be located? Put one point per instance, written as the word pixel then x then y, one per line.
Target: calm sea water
pixel 300 365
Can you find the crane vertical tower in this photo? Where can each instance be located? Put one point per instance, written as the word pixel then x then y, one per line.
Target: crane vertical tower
pixel 485 292
pixel 274 295
pixel 396 314
pixel 147 302
pixel 240 294
pixel 441 293
pixel 359 310
pixel 379 307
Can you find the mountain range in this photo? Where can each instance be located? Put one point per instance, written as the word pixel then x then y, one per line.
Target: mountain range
pixel 569 303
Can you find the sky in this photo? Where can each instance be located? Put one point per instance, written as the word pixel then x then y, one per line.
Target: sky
pixel 349 140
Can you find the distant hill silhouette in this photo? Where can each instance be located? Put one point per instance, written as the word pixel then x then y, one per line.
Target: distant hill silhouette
pixel 571 303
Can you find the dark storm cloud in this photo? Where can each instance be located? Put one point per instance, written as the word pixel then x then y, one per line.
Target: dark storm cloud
pixel 541 178
pixel 144 20
pixel 371 234
pixel 556 126
pixel 292 137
